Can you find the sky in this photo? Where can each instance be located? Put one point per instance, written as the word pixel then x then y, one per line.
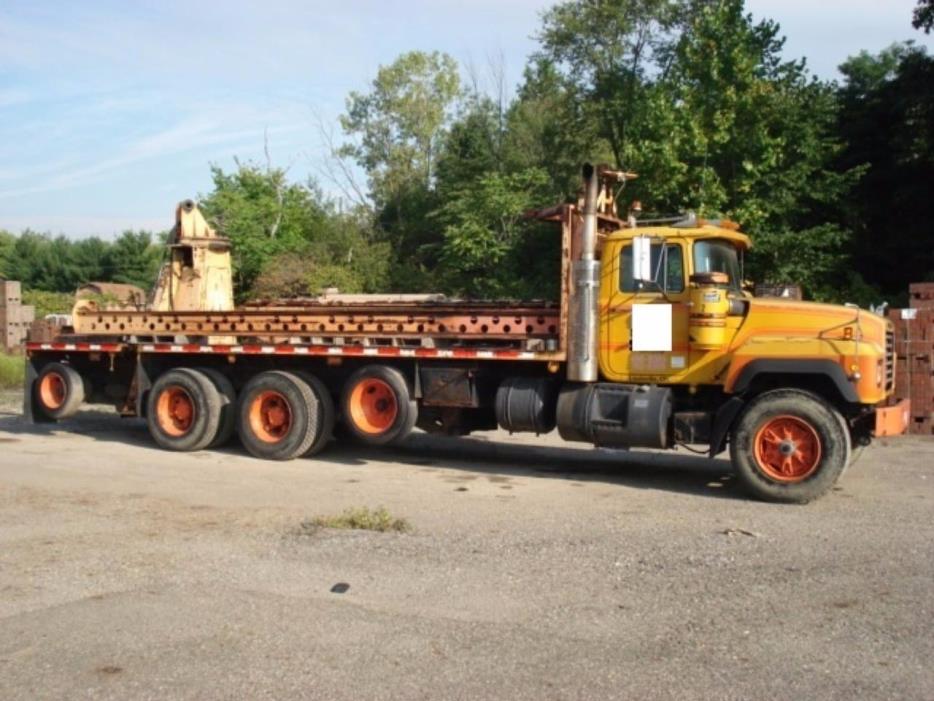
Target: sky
pixel 111 111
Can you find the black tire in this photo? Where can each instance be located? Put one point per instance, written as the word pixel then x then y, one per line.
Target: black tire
pixel 278 416
pixel 364 419
pixel 788 446
pixel 327 413
pixel 228 397
pixel 848 441
pixel 183 410
pixel 59 391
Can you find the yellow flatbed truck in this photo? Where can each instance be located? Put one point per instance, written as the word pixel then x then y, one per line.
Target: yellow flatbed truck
pixel 653 344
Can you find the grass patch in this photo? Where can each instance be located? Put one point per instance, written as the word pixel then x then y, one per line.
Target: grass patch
pixel 360 519
pixel 12 371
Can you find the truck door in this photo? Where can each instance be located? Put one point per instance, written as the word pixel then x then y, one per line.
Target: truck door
pixel 619 294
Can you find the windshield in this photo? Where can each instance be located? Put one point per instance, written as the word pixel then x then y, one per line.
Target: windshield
pixel 718 256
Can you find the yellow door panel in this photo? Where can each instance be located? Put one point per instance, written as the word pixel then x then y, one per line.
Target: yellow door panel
pixel 618 294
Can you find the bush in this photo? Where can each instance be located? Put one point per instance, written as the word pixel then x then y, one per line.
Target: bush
pixel 12 371
pixel 49 302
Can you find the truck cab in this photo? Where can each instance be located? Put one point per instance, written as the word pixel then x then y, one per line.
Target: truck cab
pixel 673 312
pixel 676 255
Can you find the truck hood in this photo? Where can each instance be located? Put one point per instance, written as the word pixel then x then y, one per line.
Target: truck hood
pixel 813 319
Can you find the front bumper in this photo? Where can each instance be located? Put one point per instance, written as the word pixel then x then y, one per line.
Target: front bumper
pixel 893 420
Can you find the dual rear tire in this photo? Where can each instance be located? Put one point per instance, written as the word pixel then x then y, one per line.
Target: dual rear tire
pixel 278 415
pixel 284 415
pixel 185 411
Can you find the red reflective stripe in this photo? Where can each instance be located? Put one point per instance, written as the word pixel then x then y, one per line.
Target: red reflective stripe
pixel 82 346
pixel 289 349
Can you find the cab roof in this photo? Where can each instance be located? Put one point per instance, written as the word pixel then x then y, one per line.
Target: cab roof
pixel 702 230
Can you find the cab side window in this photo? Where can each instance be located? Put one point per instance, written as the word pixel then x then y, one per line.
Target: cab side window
pixel 670 276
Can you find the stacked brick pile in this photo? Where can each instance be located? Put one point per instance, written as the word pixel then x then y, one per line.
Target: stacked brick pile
pixel 46 330
pixel 15 318
pixel 914 348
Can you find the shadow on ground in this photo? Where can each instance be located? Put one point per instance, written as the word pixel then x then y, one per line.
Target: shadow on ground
pixel 664 471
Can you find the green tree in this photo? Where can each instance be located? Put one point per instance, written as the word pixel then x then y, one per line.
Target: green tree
pixel 887 120
pixel 263 215
pixel 482 226
pixel 284 234
pixel 7 243
pixel 397 128
pixel 28 259
pixel 923 17
pixel 548 127
pixel 133 259
pixel 608 51
pixel 763 127
pixel 399 123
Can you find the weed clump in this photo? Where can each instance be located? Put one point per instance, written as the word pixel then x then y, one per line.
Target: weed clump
pixel 362 519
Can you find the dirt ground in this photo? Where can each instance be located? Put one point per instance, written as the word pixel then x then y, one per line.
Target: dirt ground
pixel 534 570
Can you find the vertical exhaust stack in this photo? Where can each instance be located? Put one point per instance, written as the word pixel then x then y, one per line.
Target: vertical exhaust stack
pixel 585 281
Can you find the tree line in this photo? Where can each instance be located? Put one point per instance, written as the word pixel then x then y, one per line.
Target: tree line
pixel 439 162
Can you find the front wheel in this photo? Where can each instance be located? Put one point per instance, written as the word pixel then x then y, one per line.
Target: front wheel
pixel 788 446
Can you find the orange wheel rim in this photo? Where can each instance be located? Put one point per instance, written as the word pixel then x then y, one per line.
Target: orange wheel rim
pixel 270 416
pixel 373 406
pixel 175 411
pixel 52 390
pixel 787 449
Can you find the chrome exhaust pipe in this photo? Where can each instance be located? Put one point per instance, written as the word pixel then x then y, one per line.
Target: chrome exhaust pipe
pixel 585 284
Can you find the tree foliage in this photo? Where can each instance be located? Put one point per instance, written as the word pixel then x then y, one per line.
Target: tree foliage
pixel 887 120
pixel 60 264
pixel 923 17
pixel 399 121
pixel 288 239
pixel 832 182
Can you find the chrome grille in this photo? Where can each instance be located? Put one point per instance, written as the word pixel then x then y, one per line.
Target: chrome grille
pixel 889 360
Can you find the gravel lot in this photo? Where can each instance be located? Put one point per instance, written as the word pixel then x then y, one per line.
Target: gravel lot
pixel 534 570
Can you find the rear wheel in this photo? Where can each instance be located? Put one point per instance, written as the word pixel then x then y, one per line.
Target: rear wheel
pixel 183 410
pixel 327 414
pixel 228 398
pixel 789 446
pixel 279 416
pixel 59 391
pixel 377 406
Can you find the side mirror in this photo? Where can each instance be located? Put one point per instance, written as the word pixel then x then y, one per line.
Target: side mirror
pixel 642 260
